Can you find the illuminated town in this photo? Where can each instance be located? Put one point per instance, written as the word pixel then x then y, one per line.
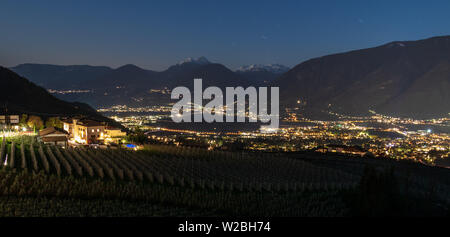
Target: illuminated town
pixel 64 92
pixel 425 141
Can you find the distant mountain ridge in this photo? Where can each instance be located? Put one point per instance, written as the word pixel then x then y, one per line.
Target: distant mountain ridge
pixel 273 68
pixel 258 74
pixel 401 78
pixel 200 60
pixel 130 84
pixel 98 77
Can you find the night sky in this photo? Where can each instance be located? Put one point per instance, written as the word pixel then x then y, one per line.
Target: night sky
pixel 157 34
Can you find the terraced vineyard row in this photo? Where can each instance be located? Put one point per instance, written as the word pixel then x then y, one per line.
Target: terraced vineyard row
pixel 236 183
pixel 182 167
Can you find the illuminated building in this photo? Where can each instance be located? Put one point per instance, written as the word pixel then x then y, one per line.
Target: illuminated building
pixel 85 131
pixel 113 135
pixel 9 121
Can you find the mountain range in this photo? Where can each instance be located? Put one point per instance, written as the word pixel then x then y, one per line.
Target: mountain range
pixel 273 68
pixel 130 84
pixel 59 77
pixel 401 78
pixel 257 73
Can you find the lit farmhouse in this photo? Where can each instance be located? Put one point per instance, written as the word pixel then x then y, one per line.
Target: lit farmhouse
pixel 87 131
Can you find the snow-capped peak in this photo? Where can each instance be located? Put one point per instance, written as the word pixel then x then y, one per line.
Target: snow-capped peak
pixel 200 60
pixel 396 44
pixel 274 68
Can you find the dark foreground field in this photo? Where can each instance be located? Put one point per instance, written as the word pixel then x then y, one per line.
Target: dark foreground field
pixel 38 180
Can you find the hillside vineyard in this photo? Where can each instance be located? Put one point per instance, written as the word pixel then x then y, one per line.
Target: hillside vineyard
pixel 206 182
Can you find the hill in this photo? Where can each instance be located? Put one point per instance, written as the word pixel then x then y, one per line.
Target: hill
pixel 402 78
pixel 18 95
pixel 60 77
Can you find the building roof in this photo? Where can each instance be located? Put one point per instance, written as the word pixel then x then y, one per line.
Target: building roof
pixel 83 122
pixel 54 139
pixel 51 130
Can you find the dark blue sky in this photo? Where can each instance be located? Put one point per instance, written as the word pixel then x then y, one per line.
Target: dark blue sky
pixel 156 34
